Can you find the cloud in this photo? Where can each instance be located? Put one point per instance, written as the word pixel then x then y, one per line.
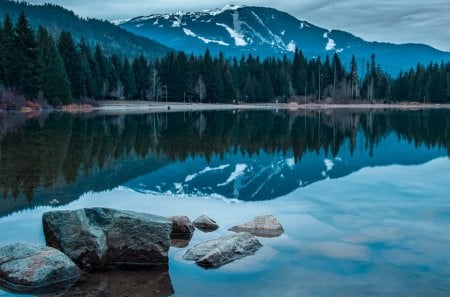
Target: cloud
pixel 396 21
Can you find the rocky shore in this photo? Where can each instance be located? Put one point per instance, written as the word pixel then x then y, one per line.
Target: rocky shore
pixel 93 246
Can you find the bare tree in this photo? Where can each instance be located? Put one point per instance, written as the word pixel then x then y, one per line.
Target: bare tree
pixel 200 88
pixel 154 84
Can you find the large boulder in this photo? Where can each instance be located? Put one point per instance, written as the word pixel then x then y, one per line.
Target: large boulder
pixel 217 252
pixel 205 224
pixel 263 226
pixel 182 231
pixel 153 282
pixel 96 238
pixel 33 269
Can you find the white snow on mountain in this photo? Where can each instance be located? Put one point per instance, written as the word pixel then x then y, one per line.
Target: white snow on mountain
pixel 189 32
pixel 222 10
pixel 291 46
pixel 329 164
pixel 205 40
pixel 238 38
pixel 207 169
pixel 240 170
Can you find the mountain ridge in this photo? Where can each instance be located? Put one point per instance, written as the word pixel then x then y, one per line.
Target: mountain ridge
pixel 264 31
pixel 57 18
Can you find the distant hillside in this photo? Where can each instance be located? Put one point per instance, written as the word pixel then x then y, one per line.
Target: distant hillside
pixel 262 31
pixel 112 38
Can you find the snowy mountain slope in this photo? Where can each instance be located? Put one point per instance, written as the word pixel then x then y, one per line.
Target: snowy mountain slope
pixel 237 30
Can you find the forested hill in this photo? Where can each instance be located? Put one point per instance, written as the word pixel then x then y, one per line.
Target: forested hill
pixel 56 19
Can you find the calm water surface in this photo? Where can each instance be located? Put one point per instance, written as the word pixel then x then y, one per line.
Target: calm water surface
pixel 364 196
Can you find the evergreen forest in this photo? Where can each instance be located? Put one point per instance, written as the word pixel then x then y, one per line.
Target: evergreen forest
pixel 57 70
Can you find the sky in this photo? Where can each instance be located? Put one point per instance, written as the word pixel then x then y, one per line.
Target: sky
pixel 398 21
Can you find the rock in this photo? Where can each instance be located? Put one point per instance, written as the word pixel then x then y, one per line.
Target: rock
pixel 32 269
pixel 96 238
pixel 217 252
pixel 181 225
pixel 153 282
pixel 182 231
pixel 205 224
pixel 263 226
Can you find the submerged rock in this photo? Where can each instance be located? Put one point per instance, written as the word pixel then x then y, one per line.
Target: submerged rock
pixel 96 238
pixel 217 252
pixel 153 282
pixel 263 226
pixel 205 224
pixel 32 269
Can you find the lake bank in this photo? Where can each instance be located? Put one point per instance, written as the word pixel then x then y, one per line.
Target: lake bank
pixel 139 106
pixel 113 107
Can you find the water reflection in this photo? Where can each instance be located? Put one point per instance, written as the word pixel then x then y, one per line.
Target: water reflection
pixel 53 159
pixel 132 283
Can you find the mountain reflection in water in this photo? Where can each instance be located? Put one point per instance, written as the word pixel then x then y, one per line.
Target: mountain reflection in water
pixel 55 158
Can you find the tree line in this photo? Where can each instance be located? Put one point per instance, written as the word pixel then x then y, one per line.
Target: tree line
pixel 61 71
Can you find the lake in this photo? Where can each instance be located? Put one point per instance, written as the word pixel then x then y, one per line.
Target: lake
pixel 363 195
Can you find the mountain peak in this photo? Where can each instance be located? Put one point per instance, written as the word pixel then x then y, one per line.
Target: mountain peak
pixel 264 31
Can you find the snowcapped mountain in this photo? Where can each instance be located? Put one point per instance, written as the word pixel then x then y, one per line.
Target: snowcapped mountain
pixel 270 176
pixel 237 30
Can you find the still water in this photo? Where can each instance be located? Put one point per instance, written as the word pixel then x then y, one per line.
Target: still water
pixel 364 196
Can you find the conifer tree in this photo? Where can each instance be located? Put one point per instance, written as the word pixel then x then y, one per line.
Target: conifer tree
pixel 25 67
pixel 128 80
pixel 2 60
pixel 72 62
pixel 7 46
pixel 55 83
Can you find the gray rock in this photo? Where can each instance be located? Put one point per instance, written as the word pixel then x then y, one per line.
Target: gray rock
pixel 217 252
pixel 96 238
pixel 182 231
pixel 181 225
pixel 32 269
pixel 263 226
pixel 205 224
pixel 153 282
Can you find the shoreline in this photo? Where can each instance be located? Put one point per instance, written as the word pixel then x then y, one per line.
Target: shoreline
pixel 112 107
pixel 139 106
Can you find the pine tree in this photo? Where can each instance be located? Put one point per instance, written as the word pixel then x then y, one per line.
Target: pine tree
pixel 128 80
pixel 73 64
pixel 2 61
pixel 7 45
pixel 54 81
pixel 267 87
pixel 229 92
pixel 354 78
pixel 25 69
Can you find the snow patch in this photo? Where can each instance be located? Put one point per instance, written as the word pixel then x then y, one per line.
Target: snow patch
pixel 139 25
pixel 329 164
pixel 222 10
pixel 120 22
pixel 331 45
pixel 291 46
pixel 240 170
pixel 189 32
pixel 283 32
pixel 238 38
pixel 205 40
pixel 177 22
pixel 207 169
pixel 290 162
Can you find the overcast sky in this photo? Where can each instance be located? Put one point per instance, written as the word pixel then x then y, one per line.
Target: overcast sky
pixel 399 21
